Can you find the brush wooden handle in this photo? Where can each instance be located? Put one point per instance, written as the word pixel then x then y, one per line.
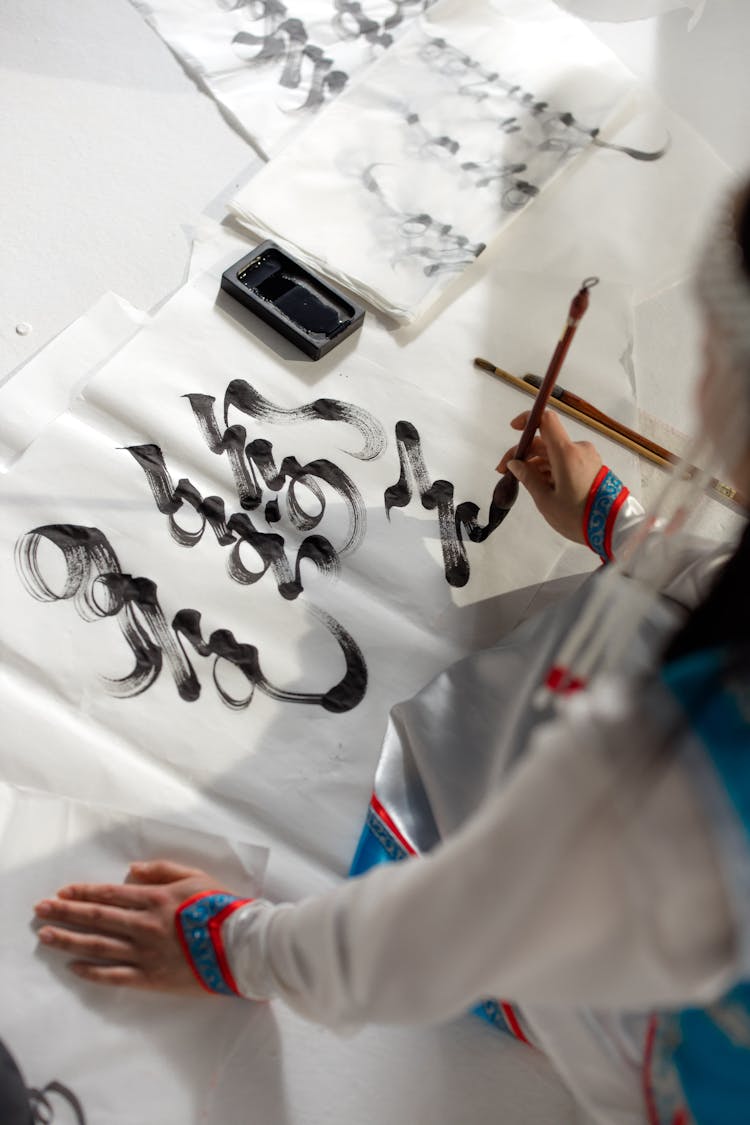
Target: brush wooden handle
pixel 717 488
pixel 590 411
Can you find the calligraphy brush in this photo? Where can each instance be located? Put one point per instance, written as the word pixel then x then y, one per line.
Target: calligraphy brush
pixel 591 416
pixel 583 406
pixel 506 490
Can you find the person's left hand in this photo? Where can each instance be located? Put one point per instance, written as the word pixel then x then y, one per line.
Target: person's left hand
pixel 125 933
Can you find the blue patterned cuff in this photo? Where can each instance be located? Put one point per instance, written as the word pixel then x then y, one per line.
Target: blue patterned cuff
pixel 605 499
pixel 198 922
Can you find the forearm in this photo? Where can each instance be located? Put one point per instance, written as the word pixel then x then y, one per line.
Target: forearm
pixel 574 923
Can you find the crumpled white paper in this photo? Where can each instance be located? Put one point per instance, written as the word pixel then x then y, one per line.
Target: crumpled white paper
pixel 617 11
pixel 45 386
pixel 410 174
pixel 128 1056
pixel 390 595
pixel 274 64
pixel 298 775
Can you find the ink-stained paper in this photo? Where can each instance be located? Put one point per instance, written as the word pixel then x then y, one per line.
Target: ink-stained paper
pixel 274 64
pixel 439 146
pixel 234 561
pixel 140 669
pixel 127 1056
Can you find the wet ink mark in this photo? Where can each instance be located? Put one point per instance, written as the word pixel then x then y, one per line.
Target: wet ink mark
pixel 419 235
pixel 282 41
pixel 303 66
pixel 43 1110
pixel 254 472
pixel 438 495
pixel 517 192
pixel 560 130
pixel 244 397
pixel 99 589
pixel 353 22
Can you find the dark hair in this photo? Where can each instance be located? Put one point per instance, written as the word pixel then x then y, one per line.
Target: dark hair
pixel 722 620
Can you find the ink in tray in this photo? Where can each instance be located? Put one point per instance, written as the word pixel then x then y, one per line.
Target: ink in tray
pixel 310 312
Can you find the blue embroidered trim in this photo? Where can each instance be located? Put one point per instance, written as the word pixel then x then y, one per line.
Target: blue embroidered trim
pixel 596 529
pixel 492 1013
pixel 193 921
pixel 703 1055
pixel 385 838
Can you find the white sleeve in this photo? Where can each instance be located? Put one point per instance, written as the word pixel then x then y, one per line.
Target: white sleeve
pixel 583 881
pixel 687 564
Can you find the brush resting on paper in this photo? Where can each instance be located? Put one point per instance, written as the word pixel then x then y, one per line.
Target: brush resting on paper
pixel 506 490
pixel 597 420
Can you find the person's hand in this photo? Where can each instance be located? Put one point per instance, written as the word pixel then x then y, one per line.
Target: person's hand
pixel 557 472
pixel 125 933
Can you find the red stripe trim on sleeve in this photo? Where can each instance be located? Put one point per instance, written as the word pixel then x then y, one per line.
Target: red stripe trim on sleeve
pixel 560 680
pixel 214 929
pixel 380 811
pixel 513 1024
pixel 618 503
pixel 589 502
pixel 648 1058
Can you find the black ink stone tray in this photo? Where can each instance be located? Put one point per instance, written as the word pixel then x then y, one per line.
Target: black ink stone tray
pixel 307 310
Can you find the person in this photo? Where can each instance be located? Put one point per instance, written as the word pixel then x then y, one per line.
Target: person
pixel 572 808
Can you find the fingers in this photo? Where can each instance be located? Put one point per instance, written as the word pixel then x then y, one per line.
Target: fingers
pixel 536 449
pixel 536 481
pixel 555 438
pixel 127 975
pixel 91 916
pixel 161 871
pixel 109 894
pixel 94 946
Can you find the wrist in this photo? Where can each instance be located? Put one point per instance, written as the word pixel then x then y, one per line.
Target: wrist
pixel 198 922
pixel 605 498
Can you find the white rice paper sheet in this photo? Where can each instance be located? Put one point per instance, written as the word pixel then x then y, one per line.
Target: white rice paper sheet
pixel 621 11
pixel 273 64
pixel 291 776
pixel 134 1057
pixel 44 387
pixel 127 1056
pixel 401 184
pixel 305 769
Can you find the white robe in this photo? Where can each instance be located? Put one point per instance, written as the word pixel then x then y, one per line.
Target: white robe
pixel 575 873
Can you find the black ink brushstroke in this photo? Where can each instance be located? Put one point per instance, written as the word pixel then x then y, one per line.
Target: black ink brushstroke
pixel 221 644
pixel 169 499
pixel 92 568
pixel 92 565
pixel 254 469
pixel 42 1109
pixel 516 191
pixel 283 42
pixel 438 495
pixel 352 22
pixel 561 126
pixel 258 455
pixel 238 528
pixel 269 546
pixel 421 235
pixel 303 65
pixel 245 398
